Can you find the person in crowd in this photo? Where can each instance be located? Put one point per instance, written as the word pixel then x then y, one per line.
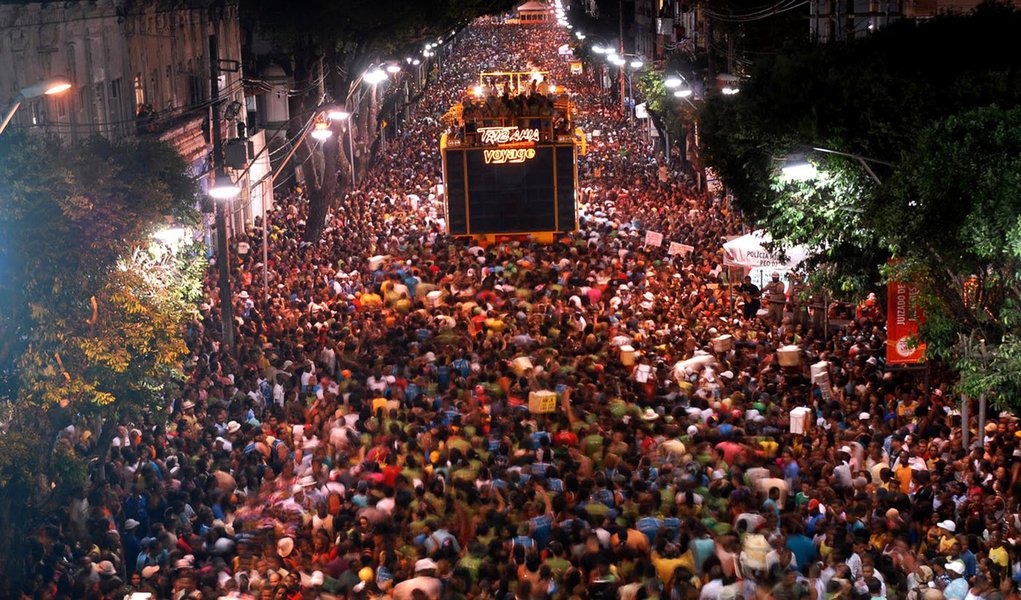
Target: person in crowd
pixel 378 429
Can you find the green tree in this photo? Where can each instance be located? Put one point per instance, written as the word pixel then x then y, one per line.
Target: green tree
pixel 945 207
pixel 91 333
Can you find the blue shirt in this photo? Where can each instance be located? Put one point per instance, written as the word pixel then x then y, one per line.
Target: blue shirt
pixel 970 563
pixel 650 527
pixel 803 550
pixel 957 589
pixel 542 527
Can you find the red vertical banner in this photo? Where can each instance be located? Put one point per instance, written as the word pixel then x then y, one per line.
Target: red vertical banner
pixel 903 316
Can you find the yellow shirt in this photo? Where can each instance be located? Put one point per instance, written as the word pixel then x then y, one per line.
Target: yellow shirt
pixel 665 567
pixel 999 556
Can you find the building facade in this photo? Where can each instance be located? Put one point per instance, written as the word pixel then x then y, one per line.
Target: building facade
pixel 138 69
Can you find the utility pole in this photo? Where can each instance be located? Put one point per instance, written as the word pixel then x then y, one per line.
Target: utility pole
pixel 222 251
pixel 620 24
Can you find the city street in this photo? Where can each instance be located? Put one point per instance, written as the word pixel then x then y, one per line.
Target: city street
pixel 601 407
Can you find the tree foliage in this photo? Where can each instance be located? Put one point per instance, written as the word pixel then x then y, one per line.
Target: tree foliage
pixel 92 322
pixel 942 119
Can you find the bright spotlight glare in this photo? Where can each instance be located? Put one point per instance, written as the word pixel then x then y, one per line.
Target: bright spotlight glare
pixel 800 171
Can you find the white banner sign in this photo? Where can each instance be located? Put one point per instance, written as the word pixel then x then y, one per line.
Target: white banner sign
pixel 653 238
pixel 681 249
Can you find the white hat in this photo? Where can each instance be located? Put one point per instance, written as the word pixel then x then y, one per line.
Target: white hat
pixel 650 415
pixel 727 374
pixel 948 525
pixel 957 566
pixel 233 427
pixel 130 524
pixel 149 571
pixel 243 295
pixel 864 416
pixel 285 546
pixel 188 404
pixel 106 568
pixel 425 564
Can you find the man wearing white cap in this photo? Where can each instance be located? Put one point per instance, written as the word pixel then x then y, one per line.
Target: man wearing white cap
pixel 424 580
pixel 957 589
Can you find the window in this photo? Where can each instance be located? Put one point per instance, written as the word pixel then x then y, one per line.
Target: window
pixel 61 103
pixel 154 90
pixel 139 92
pixel 70 62
pixel 114 100
pixel 196 90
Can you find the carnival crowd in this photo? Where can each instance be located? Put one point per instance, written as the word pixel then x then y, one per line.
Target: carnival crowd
pixel 372 434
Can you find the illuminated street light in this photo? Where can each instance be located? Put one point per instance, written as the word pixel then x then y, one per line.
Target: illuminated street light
pixel 416 62
pixel 796 168
pixel 337 114
pixel 637 64
pixel 672 82
pixel 730 91
pixel 321 131
pixel 685 93
pixel 171 235
pixel 47 87
pixel 224 188
pixel 598 49
pixel 374 76
pixel 393 69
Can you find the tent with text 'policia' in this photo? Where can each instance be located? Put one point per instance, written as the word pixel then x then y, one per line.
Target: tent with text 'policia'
pixel 749 251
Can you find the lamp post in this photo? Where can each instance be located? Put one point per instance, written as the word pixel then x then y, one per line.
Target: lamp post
pixel 224 190
pixel 628 65
pixel 798 168
pixel 374 77
pixel 343 115
pixel 47 87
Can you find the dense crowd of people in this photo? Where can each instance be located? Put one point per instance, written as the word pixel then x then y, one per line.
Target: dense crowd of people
pixel 373 433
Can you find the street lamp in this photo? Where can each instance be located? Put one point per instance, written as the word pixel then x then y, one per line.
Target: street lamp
pixel 628 67
pixel 224 188
pixel 374 76
pixel 796 168
pixel 321 132
pixel 393 69
pixel 47 87
pixel 337 114
pixel 672 82
pixel 685 93
pixel 799 169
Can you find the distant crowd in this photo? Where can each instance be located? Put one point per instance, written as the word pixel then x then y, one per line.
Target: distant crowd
pixel 378 430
